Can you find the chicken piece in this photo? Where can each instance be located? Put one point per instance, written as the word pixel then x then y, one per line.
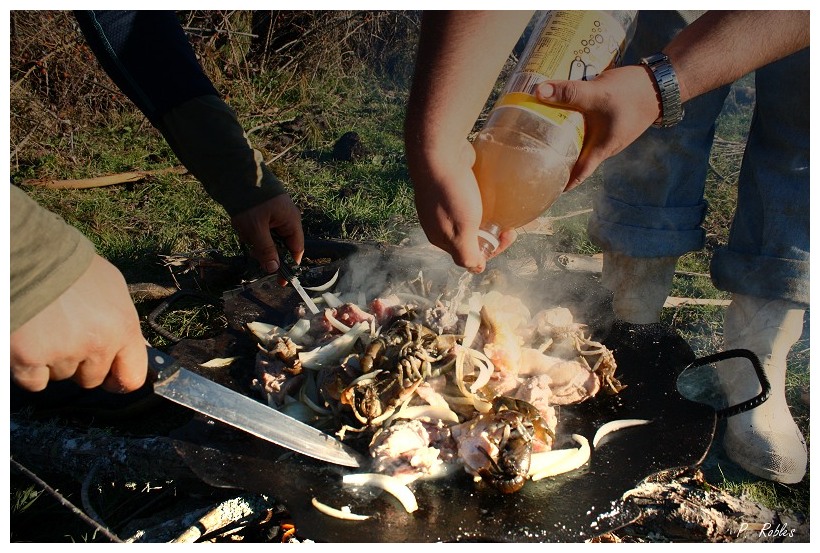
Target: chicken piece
pixel 350 314
pixel 389 308
pixel 403 450
pixel 572 382
pixel 274 379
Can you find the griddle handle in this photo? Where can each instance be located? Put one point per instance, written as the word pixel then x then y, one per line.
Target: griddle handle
pixel 749 404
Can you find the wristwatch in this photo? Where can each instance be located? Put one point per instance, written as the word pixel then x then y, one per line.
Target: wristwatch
pixel 667 83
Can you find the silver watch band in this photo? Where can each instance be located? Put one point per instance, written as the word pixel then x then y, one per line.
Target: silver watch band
pixel 667 82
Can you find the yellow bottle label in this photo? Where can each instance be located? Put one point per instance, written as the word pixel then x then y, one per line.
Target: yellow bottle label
pixel 558 117
pixel 570 45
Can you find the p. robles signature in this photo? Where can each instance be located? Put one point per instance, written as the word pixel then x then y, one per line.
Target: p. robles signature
pixel 767 530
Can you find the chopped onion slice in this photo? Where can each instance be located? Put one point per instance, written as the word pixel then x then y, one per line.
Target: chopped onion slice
pixel 334 322
pixel 218 362
pixel 579 458
pixel 331 352
pixel 612 426
pixel 390 484
pixel 428 411
pixel 485 369
pixel 326 286
pixel 332 300
pixel 473 321
pixel 298 329
pixel 265 333
pixel 545 459
pixel 343 513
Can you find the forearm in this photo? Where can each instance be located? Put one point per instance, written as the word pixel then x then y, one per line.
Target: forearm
pixel 459 59
pixel 208 139
pixel 147 54
pixel 737 42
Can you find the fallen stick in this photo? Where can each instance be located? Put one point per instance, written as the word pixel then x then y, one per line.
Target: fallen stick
pixel 673 301
pixel 106 180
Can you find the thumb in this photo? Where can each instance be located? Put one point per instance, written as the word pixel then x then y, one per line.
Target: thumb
pixel 264 250
pixel 567 94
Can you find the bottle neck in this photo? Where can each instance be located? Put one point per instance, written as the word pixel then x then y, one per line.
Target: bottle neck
pixel 488 239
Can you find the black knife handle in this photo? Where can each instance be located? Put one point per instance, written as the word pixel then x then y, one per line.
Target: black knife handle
pixel 160 365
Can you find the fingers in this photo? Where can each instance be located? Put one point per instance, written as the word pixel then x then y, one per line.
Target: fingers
pixel 254 227
pixel 289 227
pixel 32 379
pixel 128 370
pixel 561 93
pixel 264 250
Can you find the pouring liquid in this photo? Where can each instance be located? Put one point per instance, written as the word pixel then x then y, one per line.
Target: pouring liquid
pixel 519 179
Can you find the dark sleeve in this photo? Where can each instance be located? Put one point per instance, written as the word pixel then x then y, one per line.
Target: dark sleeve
pixel 147 55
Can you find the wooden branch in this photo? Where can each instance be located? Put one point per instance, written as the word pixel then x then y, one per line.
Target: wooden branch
pixel 106 180
pixel 683 507
pixel 673 301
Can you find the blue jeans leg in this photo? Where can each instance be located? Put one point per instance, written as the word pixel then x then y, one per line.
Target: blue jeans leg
pixel 652 203
pixel 767 255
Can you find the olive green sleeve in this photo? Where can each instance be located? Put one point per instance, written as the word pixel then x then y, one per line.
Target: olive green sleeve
pixel 47 256
pixel 208 139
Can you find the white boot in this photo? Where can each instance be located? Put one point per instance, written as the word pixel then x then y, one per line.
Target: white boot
pixel 765 440
pixel 640 285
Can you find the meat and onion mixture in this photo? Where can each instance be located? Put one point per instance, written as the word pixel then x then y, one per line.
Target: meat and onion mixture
pixel 429 385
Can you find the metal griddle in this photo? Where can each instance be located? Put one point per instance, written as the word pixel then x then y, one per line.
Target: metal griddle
pixel 572 507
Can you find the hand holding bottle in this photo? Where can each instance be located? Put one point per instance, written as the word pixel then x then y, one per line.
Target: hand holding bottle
pixel 449 204
pixel 618 106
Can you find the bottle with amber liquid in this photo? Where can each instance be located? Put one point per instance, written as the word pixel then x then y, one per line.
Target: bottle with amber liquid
pixel 526 150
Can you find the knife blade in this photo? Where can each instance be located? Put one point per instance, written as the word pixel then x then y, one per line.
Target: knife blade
pixel 180 385
pixel 288 275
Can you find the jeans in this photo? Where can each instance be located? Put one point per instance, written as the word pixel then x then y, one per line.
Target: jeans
pixel 652 203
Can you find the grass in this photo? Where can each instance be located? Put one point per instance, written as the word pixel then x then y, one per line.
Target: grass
pixel 295 120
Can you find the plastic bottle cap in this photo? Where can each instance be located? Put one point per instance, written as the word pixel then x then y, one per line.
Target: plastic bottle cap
pixel 490 238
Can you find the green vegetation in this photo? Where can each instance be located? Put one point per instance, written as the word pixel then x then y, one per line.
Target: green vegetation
pixel 349 71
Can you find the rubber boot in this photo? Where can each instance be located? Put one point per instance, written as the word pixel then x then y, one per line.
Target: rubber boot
pixel 765 441
pixel 640 285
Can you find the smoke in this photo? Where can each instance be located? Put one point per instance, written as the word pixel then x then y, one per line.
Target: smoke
pixel 530 271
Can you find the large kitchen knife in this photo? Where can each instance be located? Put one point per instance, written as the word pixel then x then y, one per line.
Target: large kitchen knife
pixel 196 392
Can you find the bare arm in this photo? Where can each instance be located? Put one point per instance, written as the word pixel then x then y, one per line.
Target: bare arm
pixel 722 46
pixel 459 59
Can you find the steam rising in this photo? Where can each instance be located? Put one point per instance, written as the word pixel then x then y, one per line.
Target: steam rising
pixel 531 273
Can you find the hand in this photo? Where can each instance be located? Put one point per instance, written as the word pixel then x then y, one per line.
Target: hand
pixel 618 106
pixel 448 203
pixel 91 334
pixel 282 216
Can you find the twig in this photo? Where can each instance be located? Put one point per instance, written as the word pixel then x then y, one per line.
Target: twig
pixel 571 214
pixel 107 180
pixel 228 515
pixel 65 502
pixel 25 139
pixel 283 152
pixel 673 301
pixel 210 32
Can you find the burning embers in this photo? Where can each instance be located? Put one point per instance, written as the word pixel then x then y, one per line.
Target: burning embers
pixel 427 385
